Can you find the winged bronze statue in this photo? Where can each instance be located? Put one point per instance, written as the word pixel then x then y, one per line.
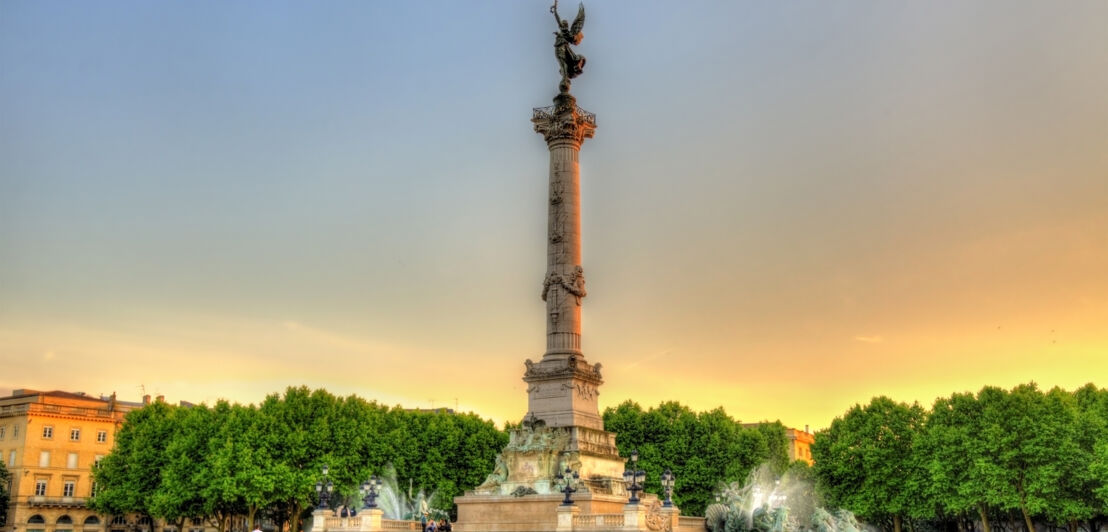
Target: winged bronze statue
pixel 569 62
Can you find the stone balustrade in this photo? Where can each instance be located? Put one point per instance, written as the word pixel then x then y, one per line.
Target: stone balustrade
pixel 635 518
pixel 597 521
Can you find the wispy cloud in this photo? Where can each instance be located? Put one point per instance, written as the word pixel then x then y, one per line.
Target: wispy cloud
pixel 869 339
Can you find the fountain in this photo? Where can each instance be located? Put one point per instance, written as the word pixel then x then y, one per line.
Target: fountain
pixel 396 503
pixel 765 503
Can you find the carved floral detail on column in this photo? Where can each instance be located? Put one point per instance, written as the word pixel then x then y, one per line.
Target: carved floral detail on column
pixel 564 121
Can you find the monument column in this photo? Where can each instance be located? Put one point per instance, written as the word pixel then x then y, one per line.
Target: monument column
pixel 562 389
pixel 562 429
pixel 565 127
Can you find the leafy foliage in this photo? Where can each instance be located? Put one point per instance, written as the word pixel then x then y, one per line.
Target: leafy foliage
pixel 5 476
pixel 233 460
pixel 1039 456
pixel 702 449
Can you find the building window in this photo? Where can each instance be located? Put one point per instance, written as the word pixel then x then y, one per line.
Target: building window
pixel 47 432
pixel 11 460
pixel 74 434
pixel 102 436
pixel 15 431
pixel 71 461
pixel 40 488
pixel 2 431
pixel 44 459
pixel 68 488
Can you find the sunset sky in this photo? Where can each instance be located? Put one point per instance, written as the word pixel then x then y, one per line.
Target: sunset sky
pixel 788 208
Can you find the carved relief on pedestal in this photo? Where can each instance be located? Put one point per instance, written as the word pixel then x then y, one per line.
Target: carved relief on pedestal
pixel 580 370
pixel 656 520
pixel 584 391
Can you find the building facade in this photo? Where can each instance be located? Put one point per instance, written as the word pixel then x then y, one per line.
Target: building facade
pixel 800 444
pixel 49 442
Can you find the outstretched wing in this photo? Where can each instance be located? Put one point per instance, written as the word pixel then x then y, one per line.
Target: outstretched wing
pixel 578 22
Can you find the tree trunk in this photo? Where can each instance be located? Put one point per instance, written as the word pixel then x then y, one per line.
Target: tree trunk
pixel 896 522
pixel 294 516
pixel 984 518
pixel 250 512
pixel 1026 518
pixel 960 523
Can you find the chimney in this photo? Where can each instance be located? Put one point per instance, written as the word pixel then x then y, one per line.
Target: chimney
pixel 146 399
pixel 160 398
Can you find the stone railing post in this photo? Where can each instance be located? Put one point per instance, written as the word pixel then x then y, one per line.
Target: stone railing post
pixel 371 519
pixel 565 517
pixel 319 520
pixel 634 517
pixel 672 514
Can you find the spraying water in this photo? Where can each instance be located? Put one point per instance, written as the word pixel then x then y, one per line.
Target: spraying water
pixel 766 503
pixel 396 503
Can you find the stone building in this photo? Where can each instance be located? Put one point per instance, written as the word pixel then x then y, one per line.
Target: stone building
pixel 800 444
pixel 48 443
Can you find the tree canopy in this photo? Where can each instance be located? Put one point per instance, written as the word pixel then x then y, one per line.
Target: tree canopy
pixel 1021 456
pixel 703 449
pixel 230 460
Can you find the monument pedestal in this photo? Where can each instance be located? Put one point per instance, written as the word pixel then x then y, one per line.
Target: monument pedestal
pixel 529 513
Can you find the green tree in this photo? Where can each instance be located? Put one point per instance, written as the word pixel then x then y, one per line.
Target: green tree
pixel 301 444
pixel 949 449
pixel 127 476
pixel 179 496
pixel 5 477
pixel 1022 442
pixel 702 449
pixel 864 460
pixel 1092 438
pixel 1069 496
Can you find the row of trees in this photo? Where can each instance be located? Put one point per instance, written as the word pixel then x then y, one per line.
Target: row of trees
pixel 1019 455
pixel 176 463
pixel 703 449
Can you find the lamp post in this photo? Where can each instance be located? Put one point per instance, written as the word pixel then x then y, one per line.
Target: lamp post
pixel 569 481
pixel 323 488
pixel 667 485
pixel 370 489
pixel 635 478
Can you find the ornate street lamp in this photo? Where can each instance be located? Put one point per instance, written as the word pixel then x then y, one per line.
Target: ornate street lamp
pixel 635 478
pixel 370 489
pixel 323 488
pixel 667 485
pixel 569 481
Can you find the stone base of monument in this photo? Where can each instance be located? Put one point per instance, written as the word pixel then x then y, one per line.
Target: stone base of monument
pixel 523 492
pixel 529 513
pixel 589 513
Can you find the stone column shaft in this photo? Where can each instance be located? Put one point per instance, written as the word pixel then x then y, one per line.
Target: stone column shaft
pixel 563 255
pixel 565 127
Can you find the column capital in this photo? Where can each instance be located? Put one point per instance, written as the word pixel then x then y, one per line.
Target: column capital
pixel 564 121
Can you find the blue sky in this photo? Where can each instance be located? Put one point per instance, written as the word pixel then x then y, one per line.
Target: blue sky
pixel 788 208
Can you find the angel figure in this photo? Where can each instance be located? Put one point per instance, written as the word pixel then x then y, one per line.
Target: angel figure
pixel 569 62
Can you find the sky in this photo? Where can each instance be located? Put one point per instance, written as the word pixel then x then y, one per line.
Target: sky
pixel 788 208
